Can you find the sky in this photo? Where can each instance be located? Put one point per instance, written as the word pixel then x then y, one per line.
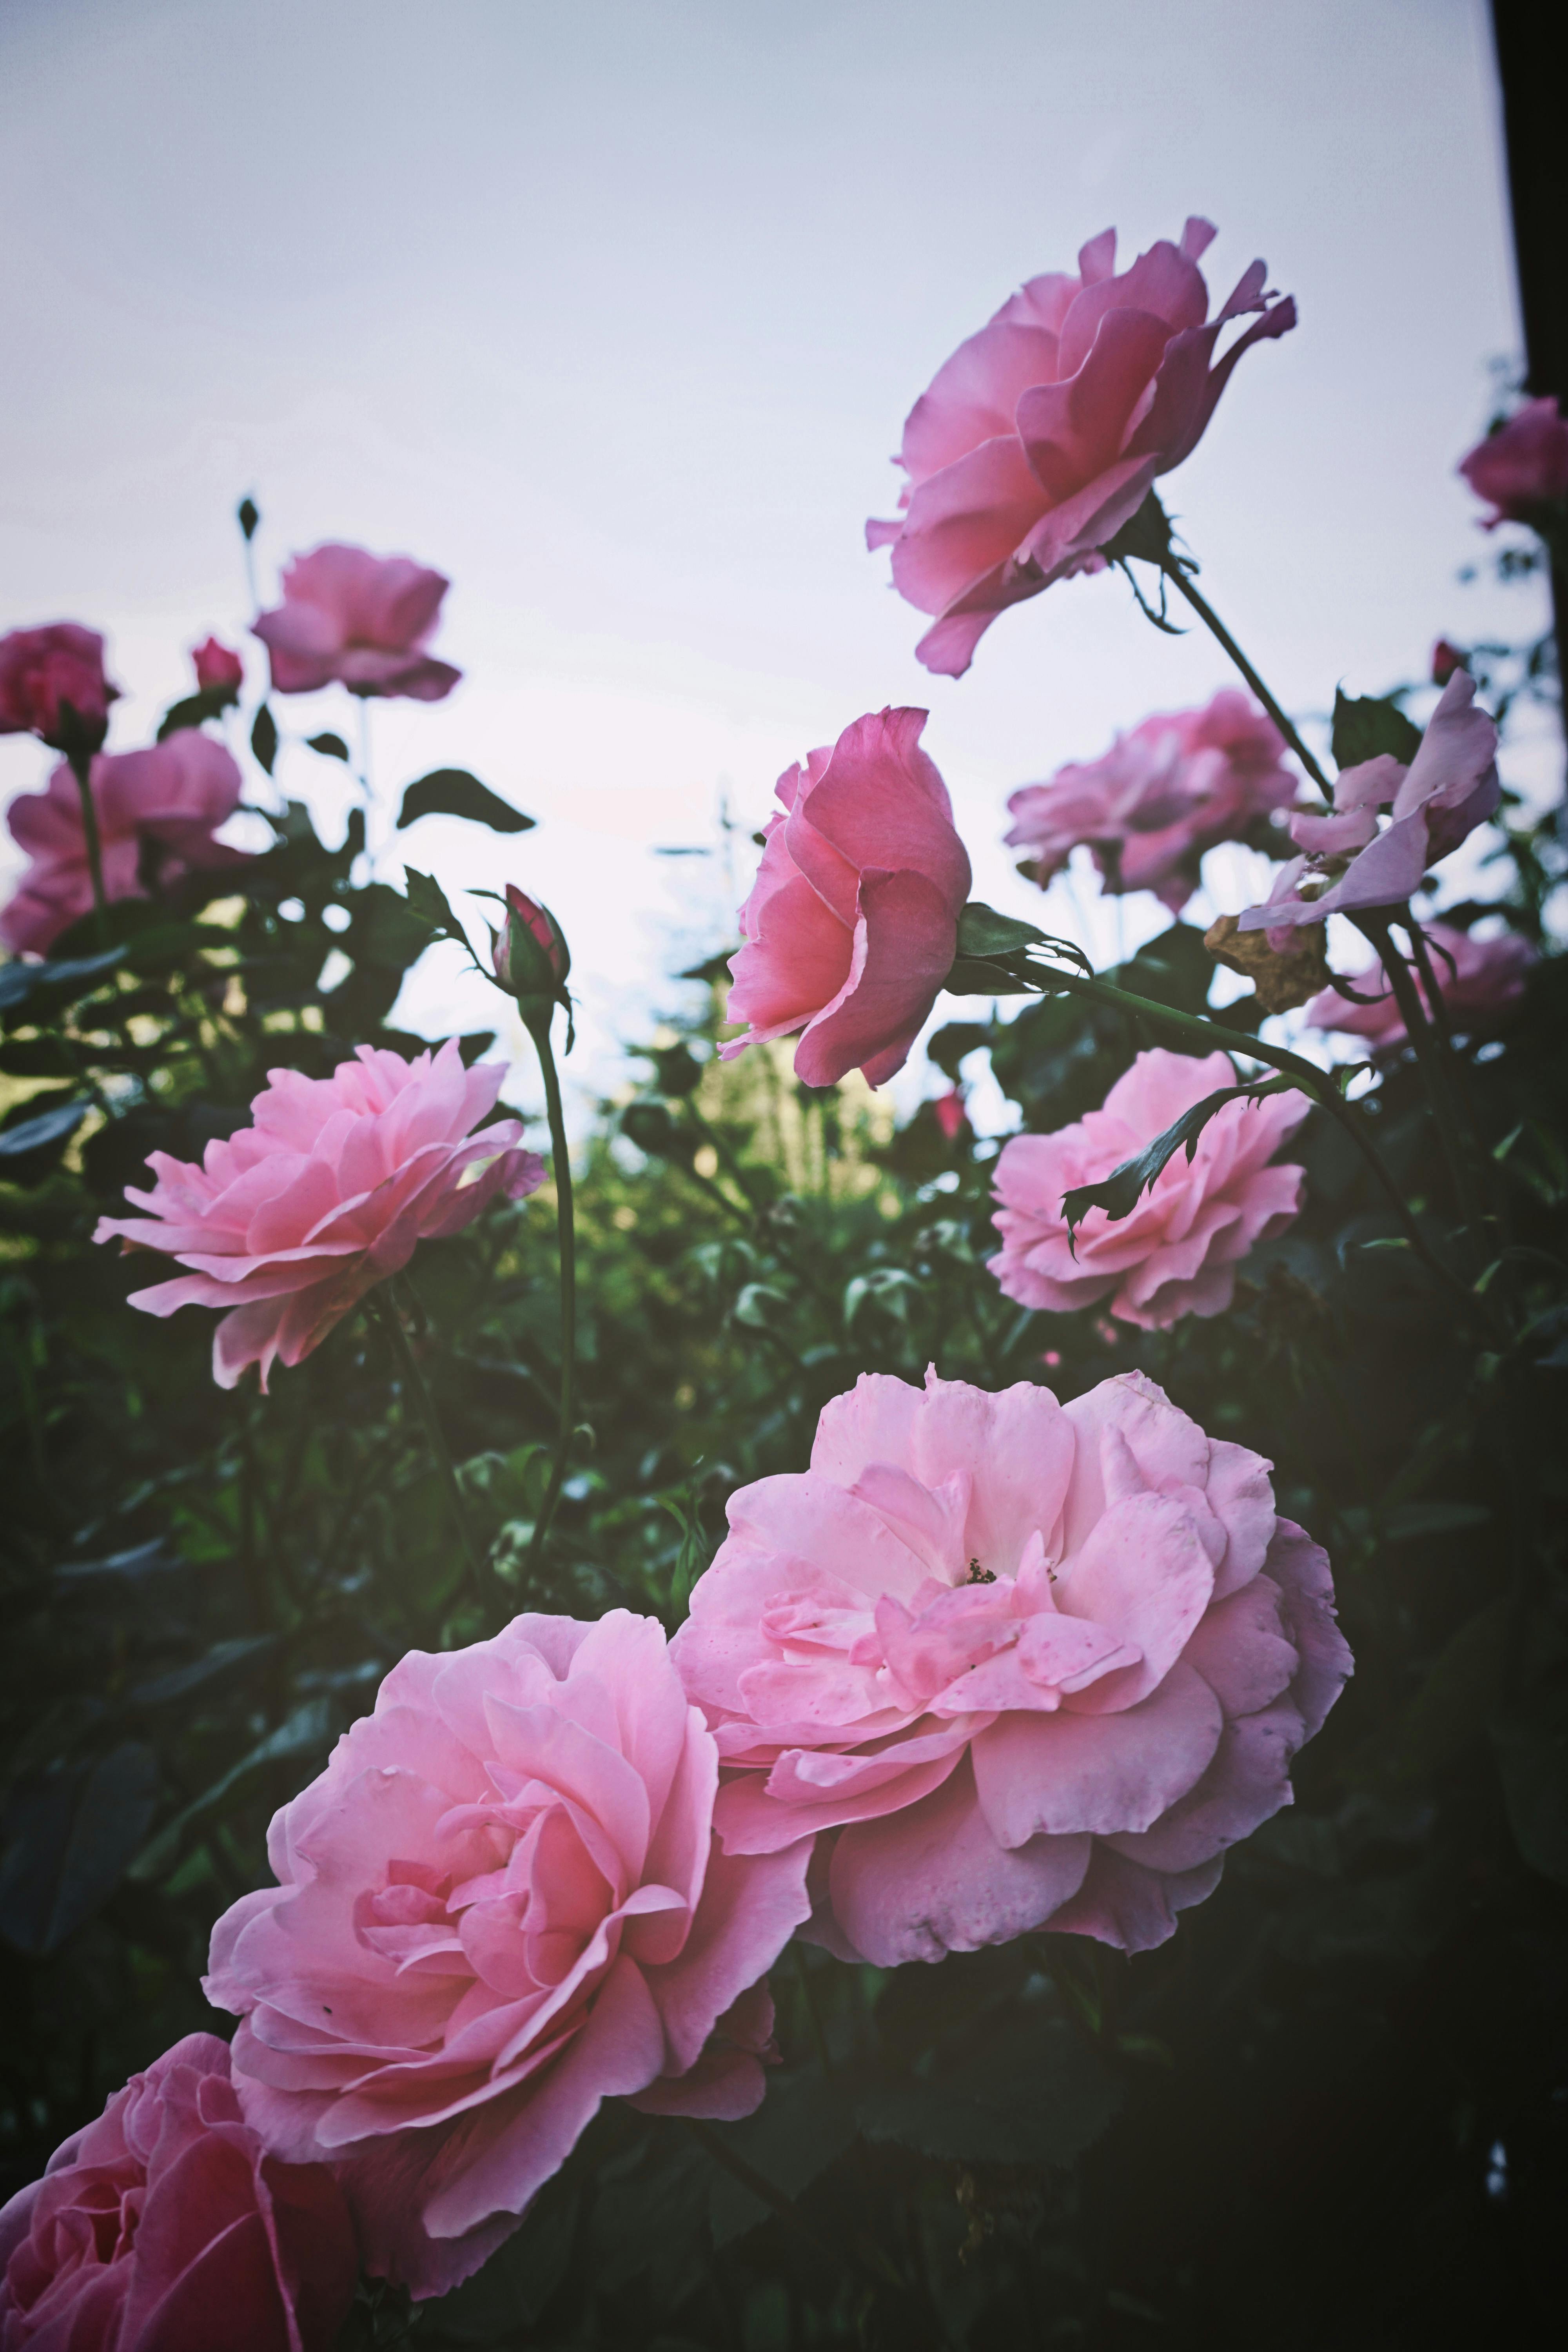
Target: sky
pixel 614 313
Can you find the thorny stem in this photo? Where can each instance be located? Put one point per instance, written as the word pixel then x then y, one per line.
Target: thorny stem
pixel 1174 573
pixel 391 1322
pixel 80 763
pixel 539 1029
pixel 1429 1054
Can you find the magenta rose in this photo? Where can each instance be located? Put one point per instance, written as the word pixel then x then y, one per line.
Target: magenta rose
pixel 43 672
pixel 166 2226
pixel 1349 863
pixel 500 1904
pixel 217 668
pixel 1013 1664
pixel 362 620
pixel 288 1222
pixel 1480 982
pixel 1175 785
pixel 1044 433
pixel 1523 466
pixel 157 812
pixel 852 924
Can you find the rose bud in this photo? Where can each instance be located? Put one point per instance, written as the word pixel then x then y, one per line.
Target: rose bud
pixel 530 954
pixel 217 668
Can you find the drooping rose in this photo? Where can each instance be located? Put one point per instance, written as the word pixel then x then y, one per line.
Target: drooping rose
pixel 157 811
pixel 166 2226
pixel 217 666
pixel 289 1222
pixel 1013 1664
pixel 500 1904
pixel 46 676
pixel 1479 980
pixel 1042 435
pixel 852 924
pixel 1177 1252
pixel 363 620
pixel 1449 788
pixel 1523 466
pixel 1164 792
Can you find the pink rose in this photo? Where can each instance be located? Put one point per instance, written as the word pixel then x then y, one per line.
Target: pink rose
pixel 167 2225
pixel 1176 1254
pixel 43 670
pixel 1043 434
pixel 852 924
pixel 216 667
pixel 1449 788
pixel 500 1904
pixel 1522 465
pixel 1015 1664
pixel 1480 981
pixel 1161 796
pixel 157 812
pixel 362 619
pixel 291 1221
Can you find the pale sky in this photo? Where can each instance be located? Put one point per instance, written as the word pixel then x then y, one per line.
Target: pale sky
pixel 613 312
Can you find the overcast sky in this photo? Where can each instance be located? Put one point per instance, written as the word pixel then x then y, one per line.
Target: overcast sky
pixel 613 312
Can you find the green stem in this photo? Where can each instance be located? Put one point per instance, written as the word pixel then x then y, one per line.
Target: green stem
pixel 386 1313
pixel 1217 628
pixel 539 1029
pixel 1430 1054
pixel 81 764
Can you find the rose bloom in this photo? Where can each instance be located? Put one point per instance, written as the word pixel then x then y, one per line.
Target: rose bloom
pixel 289 1222
pixel 1522 465
pixel 1449 788
pixel 363 620
pixel 1044 433
pixel 1176 1252
pixel 166 2224
pixel 1013 1664
pixel 852 924
pixel 1175 785
pixel 500 1904
pixel 216 666
pixel 1480 982
pixel 42 669
pixel 157 812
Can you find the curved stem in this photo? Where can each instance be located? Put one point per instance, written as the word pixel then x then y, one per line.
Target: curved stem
pixel 1217 628
pixel 81 769
pixel 566 1230
pixel 391 1322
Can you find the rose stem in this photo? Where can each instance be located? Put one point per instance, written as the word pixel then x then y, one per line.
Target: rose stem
pixel 80 763
pixel 1429 1054
pixel 386 1314
pixel 538 1019
pixel 1217 628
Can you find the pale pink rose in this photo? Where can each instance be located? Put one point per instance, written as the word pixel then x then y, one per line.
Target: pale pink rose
pixel 500 1904
pixel 1044 433
pixel 157 811
pixel 364 620
pixel 42 670
pixel 289 1222
pixel 1175 785
pixel 217 666
pixel 852 924
pixel 1522 465
pixel 1015 1664
pixel 1480 982
pixel 1449 788
pixel 1177 1252
pixel 166 2226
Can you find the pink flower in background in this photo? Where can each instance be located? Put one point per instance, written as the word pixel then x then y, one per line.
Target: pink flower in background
pixel 1015 1664
pixel 1449 788
pixel 852 924
pixel 216 666
pixel 157 812
pixel 1522 465
pixel 1176 1254
pixel 363 620
pixel 949 1114
pixel 1042 435
pixel 1163 794
pixel 291 1221
pixel 40 669
pixel 167 2225
pixel 500 1904
pixel 1480 982
pixel 1445 660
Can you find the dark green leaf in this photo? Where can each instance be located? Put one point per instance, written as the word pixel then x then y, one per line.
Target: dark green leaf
pixel 649 1125
pixel 25 988
pixel 222 1662
pixel 948 1048
pixel 517 2282
pixel 1035 2095
pixel 69 1837
pixel 306 1735
pixel 968 977
pixel 427 901
pixel 45 1128
pixel 330 747
pixel 804 2122
pixel 264 737
pixel 37 1058
pixel 1373 724
pixel 983 932
pixel 195 708
pixel 453 791
pixel 1120 1192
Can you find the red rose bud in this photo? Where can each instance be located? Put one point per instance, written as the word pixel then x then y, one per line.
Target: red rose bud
pixel 217 668
pixel 52 685
pixel 951 1114
pixel 530 954
pixel 1445 660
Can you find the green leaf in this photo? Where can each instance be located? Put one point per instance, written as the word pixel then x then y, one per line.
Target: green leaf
pixel 264 737
pixel 453 791
pixel 427 901
pixel 69 1838
pixel 221 1662
pixel 330 746
pixel 1374 724
pixel 968 977
pixel 984 933
pixel 948 1048
pixel 195 708
pixel 804 2122
pixel 1030 2094
pixel 1406 1521
pixel 45 1128
pixel 1120 1192
pixel 22 986
pixel 307 1732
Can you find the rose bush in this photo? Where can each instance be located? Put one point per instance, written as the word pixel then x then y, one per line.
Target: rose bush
pixel 500 1904
pixel 364 621
pixel 1480 982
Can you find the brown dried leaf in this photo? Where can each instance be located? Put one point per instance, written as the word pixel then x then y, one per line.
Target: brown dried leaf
pixel 1281 981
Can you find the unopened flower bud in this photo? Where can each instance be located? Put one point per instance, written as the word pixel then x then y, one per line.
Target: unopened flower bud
pixel 531 955
pixel 1445 660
